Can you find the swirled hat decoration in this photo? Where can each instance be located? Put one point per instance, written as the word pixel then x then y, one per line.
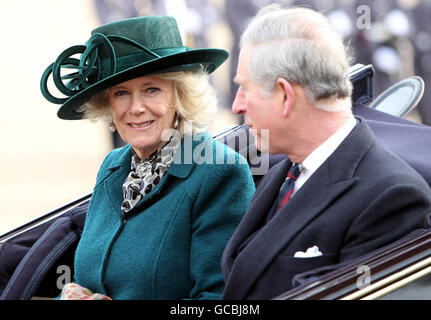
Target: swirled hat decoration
pixel 120 51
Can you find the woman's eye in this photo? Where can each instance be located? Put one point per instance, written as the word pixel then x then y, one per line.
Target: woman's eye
pixel 120 93
pixel 153 90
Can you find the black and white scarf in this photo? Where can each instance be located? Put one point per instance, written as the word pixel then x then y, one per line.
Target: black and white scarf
pixel 147 173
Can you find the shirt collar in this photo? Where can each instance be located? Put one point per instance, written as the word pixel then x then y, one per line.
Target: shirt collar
pixel 322 152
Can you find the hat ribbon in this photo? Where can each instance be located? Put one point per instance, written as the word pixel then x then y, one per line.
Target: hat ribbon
pixel 97 62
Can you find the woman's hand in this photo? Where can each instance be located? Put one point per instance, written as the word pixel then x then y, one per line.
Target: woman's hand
pixel 73 291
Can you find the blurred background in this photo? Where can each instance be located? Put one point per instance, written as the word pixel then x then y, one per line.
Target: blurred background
pixel 47 162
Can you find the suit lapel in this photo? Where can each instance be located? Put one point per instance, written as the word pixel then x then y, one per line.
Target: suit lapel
pixel 273 237
pixel 332 179
pixel 261 204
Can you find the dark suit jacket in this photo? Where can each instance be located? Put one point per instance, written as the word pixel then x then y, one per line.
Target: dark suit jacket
pixel 360 199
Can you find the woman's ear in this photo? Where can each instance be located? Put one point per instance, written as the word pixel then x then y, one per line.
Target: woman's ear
pixel 288 95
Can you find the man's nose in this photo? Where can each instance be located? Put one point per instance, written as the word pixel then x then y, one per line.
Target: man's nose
pixel 238 105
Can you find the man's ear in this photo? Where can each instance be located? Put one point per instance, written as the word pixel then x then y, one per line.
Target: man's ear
pixel 288 95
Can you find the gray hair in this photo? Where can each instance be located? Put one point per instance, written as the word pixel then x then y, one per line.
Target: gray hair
pixel 301 46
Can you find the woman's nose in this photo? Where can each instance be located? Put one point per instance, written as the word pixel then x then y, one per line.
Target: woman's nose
pixel 137 104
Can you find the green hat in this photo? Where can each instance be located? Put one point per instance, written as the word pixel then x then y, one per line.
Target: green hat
pixel 120 51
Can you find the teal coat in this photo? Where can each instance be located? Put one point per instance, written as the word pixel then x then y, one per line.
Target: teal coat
pixel 170 245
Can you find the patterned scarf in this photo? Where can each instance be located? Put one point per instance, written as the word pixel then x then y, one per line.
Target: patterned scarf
pixel 147 173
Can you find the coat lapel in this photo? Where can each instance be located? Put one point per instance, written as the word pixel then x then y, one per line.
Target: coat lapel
pixel 181 167
pixel 332 179
pixel 115 177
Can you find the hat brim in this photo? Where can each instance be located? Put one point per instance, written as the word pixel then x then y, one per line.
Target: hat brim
pixel 193 60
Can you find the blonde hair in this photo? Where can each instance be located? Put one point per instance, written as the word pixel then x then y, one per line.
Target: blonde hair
pixel 195 101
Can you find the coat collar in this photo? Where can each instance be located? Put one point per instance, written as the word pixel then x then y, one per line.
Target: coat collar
pixel 181 167
pixel 334 177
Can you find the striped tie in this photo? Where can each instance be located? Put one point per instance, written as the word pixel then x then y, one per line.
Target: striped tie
pixel 288 186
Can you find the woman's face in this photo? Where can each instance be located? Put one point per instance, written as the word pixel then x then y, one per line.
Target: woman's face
pixel 142 109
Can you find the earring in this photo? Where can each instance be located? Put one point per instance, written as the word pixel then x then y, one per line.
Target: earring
pixel 176 121
pixel 112 127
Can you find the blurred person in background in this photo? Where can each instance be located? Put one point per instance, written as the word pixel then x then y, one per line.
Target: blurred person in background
pixel 393 35
pixel 164 205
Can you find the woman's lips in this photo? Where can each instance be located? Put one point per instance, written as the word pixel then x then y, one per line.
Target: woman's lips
pixel 141 125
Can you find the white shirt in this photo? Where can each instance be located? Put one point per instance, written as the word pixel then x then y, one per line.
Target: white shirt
pixel 321 153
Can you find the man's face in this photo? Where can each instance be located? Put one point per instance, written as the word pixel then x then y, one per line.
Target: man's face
pixel 259 111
